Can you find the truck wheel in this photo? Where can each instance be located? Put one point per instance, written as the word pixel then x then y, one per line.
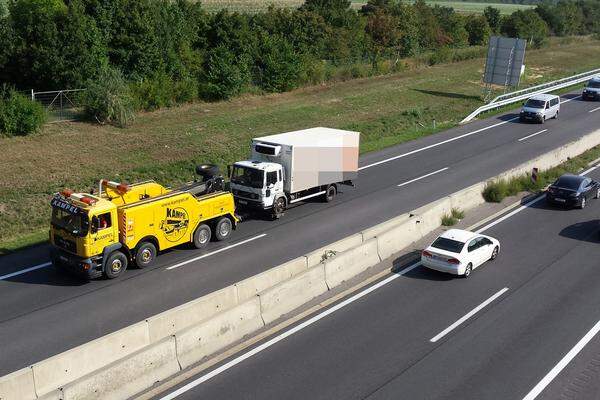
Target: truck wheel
pixel 115 264
pixel 145 255
pixel 223 229
pixel 202 236
pixel 279 208
pixel 330 193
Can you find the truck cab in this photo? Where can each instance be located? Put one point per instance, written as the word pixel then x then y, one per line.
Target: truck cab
pixel 257 184
pixel 82 227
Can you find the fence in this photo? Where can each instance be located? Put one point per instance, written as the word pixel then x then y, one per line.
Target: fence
pixel 513 97
pixel 62 105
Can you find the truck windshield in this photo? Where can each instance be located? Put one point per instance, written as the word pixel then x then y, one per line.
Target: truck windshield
pixel 248 176
pixel 535 103
pixel 594 84
pixel 76 224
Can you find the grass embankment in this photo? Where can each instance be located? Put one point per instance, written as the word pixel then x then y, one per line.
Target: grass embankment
pixel 164 145
pixel 495 192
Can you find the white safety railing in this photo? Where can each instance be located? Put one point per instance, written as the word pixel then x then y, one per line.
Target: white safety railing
pixel 523 94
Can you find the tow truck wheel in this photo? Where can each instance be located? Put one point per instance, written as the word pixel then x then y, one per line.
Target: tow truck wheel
pixel 202 236
pixel 116 263
pixel 145 255
pixel 223 229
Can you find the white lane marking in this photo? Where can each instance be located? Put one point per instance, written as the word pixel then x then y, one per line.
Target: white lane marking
pixel 317 317
pixel 568 100
pixel 563 363
pixel 423 177
pixel 215 252
pixel 595 109
pixel 436 144
pixel 532 135
pixel 526 205
pixel 286 334
pixel 467 316
pixel 449 140
pixel 26 270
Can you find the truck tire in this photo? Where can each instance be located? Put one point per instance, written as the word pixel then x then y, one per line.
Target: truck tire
pixel 145 255
pixel 223 229
pixel 330 193
pixel 202 236
pixel 279 207
pixel 115 264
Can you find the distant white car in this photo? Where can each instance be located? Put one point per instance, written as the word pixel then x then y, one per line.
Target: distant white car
pixel 459 252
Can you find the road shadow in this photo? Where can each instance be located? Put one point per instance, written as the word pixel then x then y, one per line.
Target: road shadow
pixel 587 231
pixel 544 205
pixel 450 95
pixel 419 272
pixel 511 118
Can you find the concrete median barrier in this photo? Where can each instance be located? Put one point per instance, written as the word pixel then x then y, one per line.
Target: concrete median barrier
pixel 18 385
pixel 350 263
pixel 71 365
pixel 399 237
pixel 200 341
pixel 468 198
pixel 315 257
pixel 291 294
pixel 377 230
pixel 252 286
pixel 128 376
pixel 191 313
pixel 430 215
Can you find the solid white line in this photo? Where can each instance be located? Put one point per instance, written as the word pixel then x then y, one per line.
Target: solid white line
pixel 563 363
pixel 467 316
pixel 532 135
pixel 215 252
pixel 286 334
pixel 422 177
pixel 26 270
pixel 595 109
pixel 436 144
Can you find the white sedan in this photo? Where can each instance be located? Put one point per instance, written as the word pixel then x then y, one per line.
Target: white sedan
pixel 459 252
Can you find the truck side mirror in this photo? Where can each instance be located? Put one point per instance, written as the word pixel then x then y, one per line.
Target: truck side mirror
pixel 229 171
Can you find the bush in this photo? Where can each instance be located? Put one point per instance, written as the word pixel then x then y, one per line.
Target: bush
pixel 458 213
pixel 19 115
pixel 495 192
pixel 448 220
pixel 440 56
pixel 108 100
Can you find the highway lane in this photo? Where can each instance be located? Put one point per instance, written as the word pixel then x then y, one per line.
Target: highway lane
pixel 380 346
pixel 59 313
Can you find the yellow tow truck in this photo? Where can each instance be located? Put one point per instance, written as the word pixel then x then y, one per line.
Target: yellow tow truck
pixel 101 234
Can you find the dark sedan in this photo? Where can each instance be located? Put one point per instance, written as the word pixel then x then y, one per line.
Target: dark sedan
pixel 573 191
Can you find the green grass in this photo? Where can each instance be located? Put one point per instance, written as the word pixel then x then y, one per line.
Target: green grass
pixel 453 218
pixel 496 191
pixel 164 145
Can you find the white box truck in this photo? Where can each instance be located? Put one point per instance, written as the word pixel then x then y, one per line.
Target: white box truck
pixel 295 166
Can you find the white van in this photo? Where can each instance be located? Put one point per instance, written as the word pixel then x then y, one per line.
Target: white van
pixel 540 107
pixel 592 89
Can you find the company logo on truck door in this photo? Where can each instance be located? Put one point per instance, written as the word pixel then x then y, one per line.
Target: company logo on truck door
pixel 175 224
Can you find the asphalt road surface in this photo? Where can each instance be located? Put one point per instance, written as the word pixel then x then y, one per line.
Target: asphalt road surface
pixel 410 339
pixel 43 314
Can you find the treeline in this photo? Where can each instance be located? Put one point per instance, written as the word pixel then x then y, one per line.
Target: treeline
pixel 146 54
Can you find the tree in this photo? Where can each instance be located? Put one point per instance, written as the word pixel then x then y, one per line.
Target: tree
pixel 478 30
pixel 383 32
pixel 108 99
pixel 452 25
pixel 526 25
pixel 36 59
pixel 224 74
pixel 335 12
pixel 278 68
pixel 430 33
pixel 493 17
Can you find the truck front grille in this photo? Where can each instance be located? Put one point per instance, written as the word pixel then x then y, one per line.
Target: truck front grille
pixel 63 243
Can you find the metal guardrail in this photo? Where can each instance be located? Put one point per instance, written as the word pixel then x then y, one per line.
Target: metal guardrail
pixel 523 94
